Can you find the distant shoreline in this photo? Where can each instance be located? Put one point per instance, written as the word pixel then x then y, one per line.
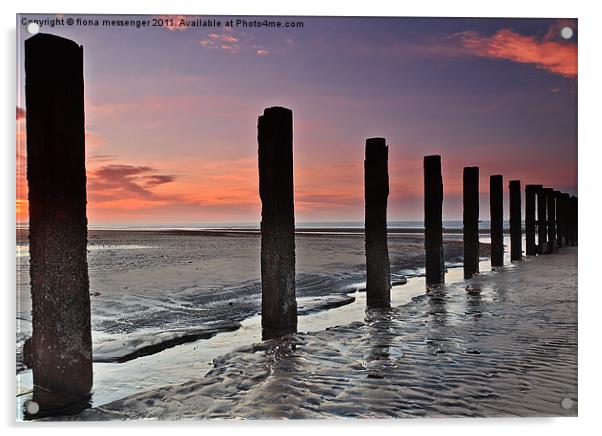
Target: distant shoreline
pixel 298 231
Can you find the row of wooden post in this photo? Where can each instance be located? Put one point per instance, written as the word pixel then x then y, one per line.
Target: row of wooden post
pixel 556 221
pixel 61 348
pixel 277 226
pixel 550 220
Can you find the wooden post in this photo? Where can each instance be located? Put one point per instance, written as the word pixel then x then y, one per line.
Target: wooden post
pixel 61 345
pixel 542 232
pixel 433 220
pixel 515 221
pixel 376 191
pixel 530 192
pixel 565 219
pixel 278 301
pixel 471 221
pixel 559 219
pixel 551 213
pixel 496 211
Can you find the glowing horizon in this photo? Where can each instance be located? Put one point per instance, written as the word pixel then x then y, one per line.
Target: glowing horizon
pixel 171 113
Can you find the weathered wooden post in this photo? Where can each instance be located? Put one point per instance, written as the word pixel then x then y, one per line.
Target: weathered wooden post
pixel 551 213
pixel 60 350
pixel 376 191
pixel 496 211
pixel 471 221
pixel 530 191
pixel 433 220
pixel 515 221
pixel 559 219
pixel 565 219
pixel 542 232
pixel 278 301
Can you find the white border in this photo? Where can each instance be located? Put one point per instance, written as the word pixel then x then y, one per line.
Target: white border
pixel 590 142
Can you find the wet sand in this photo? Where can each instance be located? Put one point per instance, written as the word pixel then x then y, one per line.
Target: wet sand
pixel 501 344
pixel 166 303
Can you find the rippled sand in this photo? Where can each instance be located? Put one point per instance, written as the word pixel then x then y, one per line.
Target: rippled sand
pixel 151 290
pixel 502 344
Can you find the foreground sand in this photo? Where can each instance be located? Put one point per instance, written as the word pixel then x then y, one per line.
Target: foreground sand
pixel 502 344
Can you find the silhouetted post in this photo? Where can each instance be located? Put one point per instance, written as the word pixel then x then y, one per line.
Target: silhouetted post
pixel 61 344
pixel 542 232
pixel 551 213
pixel 515 221
pixel 496 211
pixel 471 221
pixel 565 219
pixel 433 220
pixel 278 302
pixel 559 219
pixel 376 190
pixel 530 191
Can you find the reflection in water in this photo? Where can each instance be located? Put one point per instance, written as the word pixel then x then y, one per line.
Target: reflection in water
pixel 473 301
pixel 382 328
pixel 437 313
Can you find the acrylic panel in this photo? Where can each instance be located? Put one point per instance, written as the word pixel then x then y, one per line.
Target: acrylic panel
pixel 295 217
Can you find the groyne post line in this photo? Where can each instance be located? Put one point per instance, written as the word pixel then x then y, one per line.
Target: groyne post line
pixel 530 206
pixel 275 153
pixel 515 221
pixel 551 219
pixel 471 221
pixel 433 224
pixel 496 211
pixel 376 193
pixel 60 350
pixel 542 232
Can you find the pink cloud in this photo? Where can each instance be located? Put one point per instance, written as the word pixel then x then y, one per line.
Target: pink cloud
pixel 221 41
pixel 545 53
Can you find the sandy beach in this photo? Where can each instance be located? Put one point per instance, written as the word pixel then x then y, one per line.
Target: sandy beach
pixel 165 303
pixel 501 344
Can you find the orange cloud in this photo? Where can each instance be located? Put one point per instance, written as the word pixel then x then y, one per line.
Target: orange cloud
pixel 545 53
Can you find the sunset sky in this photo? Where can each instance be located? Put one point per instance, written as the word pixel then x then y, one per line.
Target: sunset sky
pixel 171 114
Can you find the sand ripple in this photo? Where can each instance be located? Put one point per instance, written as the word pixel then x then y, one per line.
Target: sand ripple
pixel 502 344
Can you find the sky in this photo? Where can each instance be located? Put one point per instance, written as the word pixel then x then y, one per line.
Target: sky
pixel 171 112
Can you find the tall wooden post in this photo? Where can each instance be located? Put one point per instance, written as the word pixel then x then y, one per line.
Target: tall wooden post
pixel 61 344
pixel 542 226
pixel 471 221
pixel 551 213
pixel 376 191
pixel 515 221
pixel 278 301
pixel 496 211
pixel 530 192
pixel 433 220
